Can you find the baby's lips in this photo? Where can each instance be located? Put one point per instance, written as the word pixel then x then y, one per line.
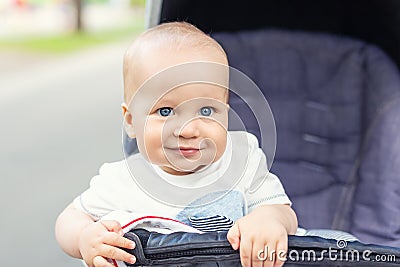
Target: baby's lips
pixel 188 151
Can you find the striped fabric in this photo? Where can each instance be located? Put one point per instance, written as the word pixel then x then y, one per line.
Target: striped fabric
pixel 331 234
pixel 211 223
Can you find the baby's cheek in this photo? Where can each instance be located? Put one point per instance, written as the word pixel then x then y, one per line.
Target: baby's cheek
pixel 157 133
pixel 221 142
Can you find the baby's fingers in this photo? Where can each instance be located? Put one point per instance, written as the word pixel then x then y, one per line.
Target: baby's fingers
pixel 99 261
pixel 245 249
pixel 113 242
pixel 117 254
pixel 281 255
pixel 116 240
pixel 112 226
pixel 233 236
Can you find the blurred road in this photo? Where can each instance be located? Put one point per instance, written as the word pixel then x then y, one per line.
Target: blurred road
pixel 60 120
pixel 55 17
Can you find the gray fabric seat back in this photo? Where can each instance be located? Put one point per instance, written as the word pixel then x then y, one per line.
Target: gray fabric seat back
pixel 336 106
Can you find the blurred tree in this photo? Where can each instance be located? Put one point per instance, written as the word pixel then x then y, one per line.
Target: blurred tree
pixel 78 15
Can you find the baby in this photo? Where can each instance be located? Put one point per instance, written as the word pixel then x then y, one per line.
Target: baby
pixel 176 107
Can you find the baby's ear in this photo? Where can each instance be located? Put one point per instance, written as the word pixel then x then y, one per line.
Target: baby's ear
pixel 128 124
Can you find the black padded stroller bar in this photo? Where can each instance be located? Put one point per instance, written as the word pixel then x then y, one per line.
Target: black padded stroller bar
pixel 213 249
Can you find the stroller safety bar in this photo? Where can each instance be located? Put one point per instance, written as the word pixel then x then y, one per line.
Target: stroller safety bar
pixel 213 249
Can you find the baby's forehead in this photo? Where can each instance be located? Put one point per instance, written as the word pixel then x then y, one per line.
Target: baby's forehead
pixel 180 62
pixel 200 77
pixel 189 91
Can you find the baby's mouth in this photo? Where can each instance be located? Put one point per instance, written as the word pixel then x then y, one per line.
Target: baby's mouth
pixel 188 151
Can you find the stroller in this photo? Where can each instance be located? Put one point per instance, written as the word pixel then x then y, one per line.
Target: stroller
pixel 329 70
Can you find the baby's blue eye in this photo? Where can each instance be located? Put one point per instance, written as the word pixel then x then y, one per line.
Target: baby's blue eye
pixel 206 111
pixel 165 111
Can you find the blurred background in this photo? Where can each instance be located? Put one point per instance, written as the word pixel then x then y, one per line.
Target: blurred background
pixel 60 97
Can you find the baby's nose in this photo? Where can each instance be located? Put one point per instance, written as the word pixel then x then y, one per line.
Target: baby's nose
pixel 190 129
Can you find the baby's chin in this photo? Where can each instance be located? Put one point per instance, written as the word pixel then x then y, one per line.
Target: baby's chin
pixel 180 172
pixel 186 168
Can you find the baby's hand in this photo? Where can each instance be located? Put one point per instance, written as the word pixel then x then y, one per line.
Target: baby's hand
pixel 100 240
pixel 261 238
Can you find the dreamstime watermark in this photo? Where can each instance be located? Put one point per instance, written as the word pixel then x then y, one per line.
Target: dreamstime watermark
pixel 340 253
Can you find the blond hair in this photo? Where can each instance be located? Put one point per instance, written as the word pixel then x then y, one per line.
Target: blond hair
pixel 174 35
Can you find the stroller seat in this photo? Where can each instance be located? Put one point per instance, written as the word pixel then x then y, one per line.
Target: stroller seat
pixel 336 103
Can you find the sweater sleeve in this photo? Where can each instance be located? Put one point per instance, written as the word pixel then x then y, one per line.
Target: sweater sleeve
pixel 104 193
pixel 264 187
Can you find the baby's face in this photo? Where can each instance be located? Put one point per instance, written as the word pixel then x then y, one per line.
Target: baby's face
pixel 180 127
pixel 186 128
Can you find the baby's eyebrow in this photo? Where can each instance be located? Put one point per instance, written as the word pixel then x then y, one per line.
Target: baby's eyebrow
pixel 165 102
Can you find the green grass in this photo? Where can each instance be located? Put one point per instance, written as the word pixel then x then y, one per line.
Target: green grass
pixel 70 42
